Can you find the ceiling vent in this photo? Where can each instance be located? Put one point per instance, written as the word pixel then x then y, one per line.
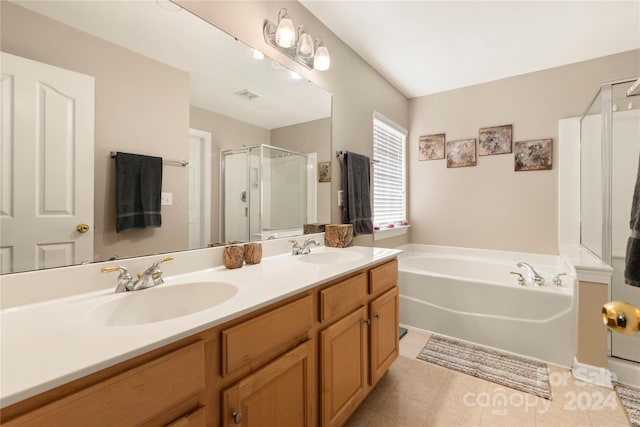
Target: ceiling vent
pixel 246 93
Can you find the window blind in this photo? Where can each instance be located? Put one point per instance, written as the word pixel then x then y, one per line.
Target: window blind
pixel 389 173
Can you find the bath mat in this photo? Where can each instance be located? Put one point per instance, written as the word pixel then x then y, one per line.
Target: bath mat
pixel 630 397
pixel 505 369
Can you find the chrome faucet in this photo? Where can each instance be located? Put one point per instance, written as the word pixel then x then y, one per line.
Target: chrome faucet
pixel 533 275
pixel 295 247
pixel 305 249
pixel 151 277
pixel 124 282
pixel 306 246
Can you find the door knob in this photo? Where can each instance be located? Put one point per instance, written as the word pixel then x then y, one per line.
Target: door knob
pixel 237 417
pixel 82 228
pixel 621 317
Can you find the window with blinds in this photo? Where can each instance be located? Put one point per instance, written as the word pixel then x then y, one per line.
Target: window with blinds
pixel 389 172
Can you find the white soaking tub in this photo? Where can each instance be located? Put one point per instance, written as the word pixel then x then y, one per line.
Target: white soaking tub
pixel 470 294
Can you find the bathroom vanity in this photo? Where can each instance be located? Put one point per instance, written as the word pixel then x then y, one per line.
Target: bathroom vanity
pixel 307 355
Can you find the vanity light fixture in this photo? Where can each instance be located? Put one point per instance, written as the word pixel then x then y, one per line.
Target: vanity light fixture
pixel 321 60
pixel 285 32
pixel 298 45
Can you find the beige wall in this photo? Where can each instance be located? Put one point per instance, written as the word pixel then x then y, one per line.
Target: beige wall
pixel 490 205
pixel 128 90
pixel 310 137
pixel 357 89
pixel 591 346
pixel 226 133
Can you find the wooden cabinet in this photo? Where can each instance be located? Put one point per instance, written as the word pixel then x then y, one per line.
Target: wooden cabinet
pixel 385 338
pixel 343 367
pixel 325 346
pixel 280 394
pixel 246 346
pixel 195 418
pixel 357 349
pixel 133 397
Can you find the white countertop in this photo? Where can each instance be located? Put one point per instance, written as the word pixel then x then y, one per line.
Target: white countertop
pixel 47 344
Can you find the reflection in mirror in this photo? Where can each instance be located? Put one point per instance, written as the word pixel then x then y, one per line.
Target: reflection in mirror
pixel 266 193
pixel 133 77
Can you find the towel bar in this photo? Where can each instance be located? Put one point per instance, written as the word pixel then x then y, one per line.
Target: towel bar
pixel 182 163
pixel 340 153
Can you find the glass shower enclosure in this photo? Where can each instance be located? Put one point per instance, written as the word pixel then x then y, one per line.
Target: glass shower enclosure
pixel 609 155
pixel 266 192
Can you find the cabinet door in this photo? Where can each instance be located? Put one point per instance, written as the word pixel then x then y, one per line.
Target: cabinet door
pixel 343 352
pixel 280 394
pixel 384 333
pixel 193 419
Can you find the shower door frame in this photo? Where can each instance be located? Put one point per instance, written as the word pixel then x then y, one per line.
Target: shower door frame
pixel 606 141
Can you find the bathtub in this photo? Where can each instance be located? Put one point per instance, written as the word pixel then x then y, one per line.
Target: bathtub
pixel 470 294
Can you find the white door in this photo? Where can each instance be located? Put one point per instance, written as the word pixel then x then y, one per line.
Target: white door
pixel 199 188
pixel 47 119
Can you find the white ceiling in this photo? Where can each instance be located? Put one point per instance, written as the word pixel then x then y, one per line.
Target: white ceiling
pixel 424 47
pixel 217 64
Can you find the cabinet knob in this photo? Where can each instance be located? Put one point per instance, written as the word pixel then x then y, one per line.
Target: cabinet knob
pixel 367 321
pixel 236 417
pixel 377 315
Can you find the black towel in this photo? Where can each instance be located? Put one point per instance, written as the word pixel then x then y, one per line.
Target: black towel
pixel 632 260
pixel 356 187
pixel 138 191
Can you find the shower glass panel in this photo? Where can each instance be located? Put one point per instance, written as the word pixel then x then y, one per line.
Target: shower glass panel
pixel 265 193
pixel 625 151
pixel 591 205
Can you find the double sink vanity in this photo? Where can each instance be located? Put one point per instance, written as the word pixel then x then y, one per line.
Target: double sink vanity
pixel 292 341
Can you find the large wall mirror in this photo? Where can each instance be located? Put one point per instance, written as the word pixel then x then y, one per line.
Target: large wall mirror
pixel 143 77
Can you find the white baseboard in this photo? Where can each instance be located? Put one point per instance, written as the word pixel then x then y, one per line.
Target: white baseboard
pixel 591 374
pixel 624 371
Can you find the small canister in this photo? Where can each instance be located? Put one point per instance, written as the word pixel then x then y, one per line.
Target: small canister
pixel 233 256
pixel 253 253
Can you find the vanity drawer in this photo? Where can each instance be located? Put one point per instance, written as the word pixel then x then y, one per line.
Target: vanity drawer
pixel 383 277
pixel 342 297
pixel 252 343
pixel 130 398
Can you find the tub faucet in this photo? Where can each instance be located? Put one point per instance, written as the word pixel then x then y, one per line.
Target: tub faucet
pixel 533 275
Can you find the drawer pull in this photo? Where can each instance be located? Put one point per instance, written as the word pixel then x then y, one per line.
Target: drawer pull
pixel 237 417
pixel 367 321
pixel 377 316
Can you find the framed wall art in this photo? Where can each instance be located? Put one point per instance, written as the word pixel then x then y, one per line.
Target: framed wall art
pixel 431 147
pixel 495 140
pixel 461 153
pixel 533 155
pixel 324 171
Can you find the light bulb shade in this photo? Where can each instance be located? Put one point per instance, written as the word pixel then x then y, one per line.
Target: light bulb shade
pixel 305 46
pixel 322 60
pixel 285 33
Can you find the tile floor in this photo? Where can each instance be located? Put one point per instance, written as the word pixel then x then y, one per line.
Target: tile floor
pixel 415 393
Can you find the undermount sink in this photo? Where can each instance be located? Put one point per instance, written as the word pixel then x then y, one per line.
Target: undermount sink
pixel 331 257
pixel 162 303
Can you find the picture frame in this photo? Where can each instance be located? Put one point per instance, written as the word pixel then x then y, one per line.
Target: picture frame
pixel 324 171
pixel 461 153
pixel 533 155
pixel 495 140
pixel 431 147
